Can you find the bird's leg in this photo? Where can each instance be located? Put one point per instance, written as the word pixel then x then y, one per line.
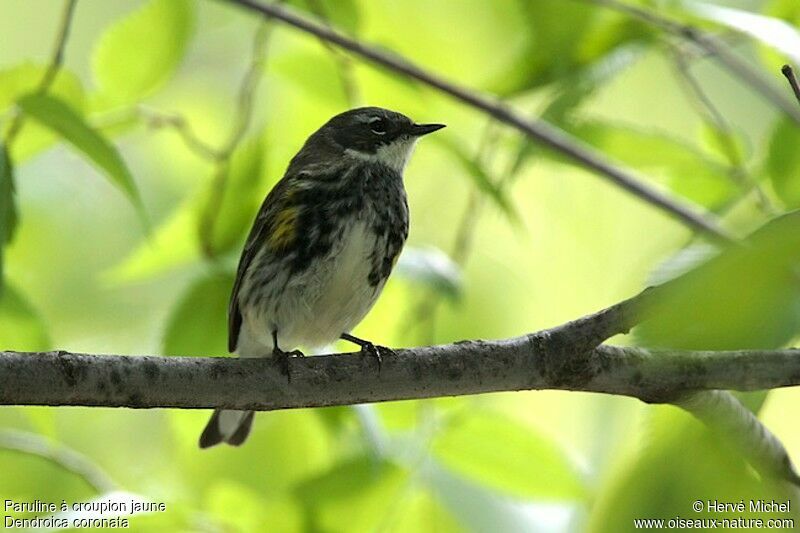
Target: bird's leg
pixel 368 348
pixel 281 357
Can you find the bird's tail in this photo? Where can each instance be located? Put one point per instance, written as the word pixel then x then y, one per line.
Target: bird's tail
pixel 228 426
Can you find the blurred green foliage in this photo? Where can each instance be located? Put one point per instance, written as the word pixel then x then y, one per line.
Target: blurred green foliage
pixel 147 96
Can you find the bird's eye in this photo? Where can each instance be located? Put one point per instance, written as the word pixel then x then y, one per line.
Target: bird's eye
pixel 377 125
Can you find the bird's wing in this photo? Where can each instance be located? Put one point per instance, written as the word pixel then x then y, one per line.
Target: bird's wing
pixel 269 227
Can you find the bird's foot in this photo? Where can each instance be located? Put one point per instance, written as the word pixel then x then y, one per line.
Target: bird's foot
pixel 282 360
pixel 377 352
pixel 367 348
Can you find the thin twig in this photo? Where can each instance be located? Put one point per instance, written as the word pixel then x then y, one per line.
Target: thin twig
pixel 716 49
pixel 723 131
pixel 59 455
pixel 178 123
pixel 343 62
pixel 56 61
pixel 545 133
pixel 242 120
pixel 789 73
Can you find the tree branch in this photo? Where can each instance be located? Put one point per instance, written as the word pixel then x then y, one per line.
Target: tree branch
pixel 566 357
pixel 469 367
pixel 541 131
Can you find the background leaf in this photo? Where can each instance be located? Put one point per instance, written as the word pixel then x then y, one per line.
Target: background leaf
pixel 746 297
pixel 774 32
pixel 8 208
pixel 62 119
pixel 501 453
pixel 480 177
pixel 198 325
pixel 430 267
pixel 681 461
pixel 236 209
pixel 783 162
pixel 161 30
pixel 21 327
pixel 342 14
pixel 682 167
pixel 24 78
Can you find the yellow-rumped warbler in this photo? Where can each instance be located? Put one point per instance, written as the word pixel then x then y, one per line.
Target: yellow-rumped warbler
pixel 322 245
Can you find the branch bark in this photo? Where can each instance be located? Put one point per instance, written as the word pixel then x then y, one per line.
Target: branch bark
pixel 469 367
pixel 541 131
pixel 567 357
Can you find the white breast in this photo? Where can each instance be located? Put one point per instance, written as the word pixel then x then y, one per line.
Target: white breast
pixel 333 297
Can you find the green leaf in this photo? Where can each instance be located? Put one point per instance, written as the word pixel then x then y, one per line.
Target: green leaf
pixel 8 208
pixel 138 53
pixel 783 162
pixel 508 456
pixel 64 120
pixel 679 463
pixel 198 326
pixel 284 449
pixel 480 177
pixel 422 512
pixel 21 327
pixel 233 213
pixel 173 244
pixel 747 297
pixel 431 267
pixel 176 241
pixel 355 495
pixel 558 49
pixel 771 31
pixel 682 167
pixel 25 78
pixel 239 508
pixel 342 14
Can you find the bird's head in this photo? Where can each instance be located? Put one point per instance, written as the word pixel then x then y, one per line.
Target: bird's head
pixel 375 134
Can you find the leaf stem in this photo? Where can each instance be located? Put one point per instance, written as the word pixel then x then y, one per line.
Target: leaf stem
pixel 56 61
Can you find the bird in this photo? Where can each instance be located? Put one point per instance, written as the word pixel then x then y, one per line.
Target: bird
pixel 322 246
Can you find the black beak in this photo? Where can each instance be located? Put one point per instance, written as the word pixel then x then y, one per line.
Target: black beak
pixel 418 130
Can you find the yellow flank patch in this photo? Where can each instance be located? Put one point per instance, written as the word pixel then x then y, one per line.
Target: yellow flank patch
pixel 284 229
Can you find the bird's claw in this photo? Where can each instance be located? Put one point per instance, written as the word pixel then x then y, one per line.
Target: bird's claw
pixel 282 360
pixel 376 352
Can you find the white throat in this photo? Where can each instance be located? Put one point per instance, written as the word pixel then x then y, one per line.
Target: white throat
pixel 394 155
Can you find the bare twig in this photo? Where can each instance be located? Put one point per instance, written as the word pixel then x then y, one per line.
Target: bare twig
pixel 543 132
pixel 56 60
pixel 242 120
pixel 59 455
pixel 724 132
pixel 716 49
pixel 343 62
pixel 789 73
pixel 160 119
